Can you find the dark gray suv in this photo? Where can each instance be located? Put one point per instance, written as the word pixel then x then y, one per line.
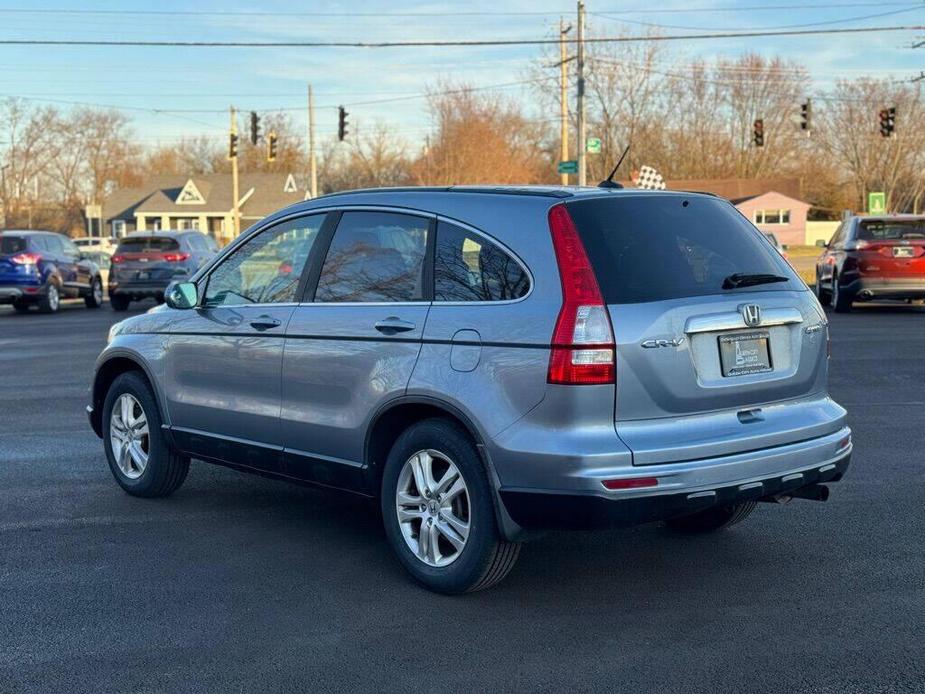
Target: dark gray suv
pixel 488 363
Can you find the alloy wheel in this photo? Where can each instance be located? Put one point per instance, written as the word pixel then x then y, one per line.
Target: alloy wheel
pixel 128 436
pixel 432 503
pixel 98 292
pixel 54 298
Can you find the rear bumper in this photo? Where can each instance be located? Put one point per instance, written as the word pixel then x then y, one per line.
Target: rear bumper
pixel 886 288
pixel 681 488
pixel 543 510
pixel 22 292
pixel 139 290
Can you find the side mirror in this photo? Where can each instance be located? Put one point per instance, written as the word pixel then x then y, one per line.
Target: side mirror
pixel 181 295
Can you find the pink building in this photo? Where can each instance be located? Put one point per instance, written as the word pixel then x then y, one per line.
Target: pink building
pixel 771 204
pixel 779 214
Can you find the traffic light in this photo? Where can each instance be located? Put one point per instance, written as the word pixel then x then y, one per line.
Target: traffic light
pixel 887 121
pixel 341 123
pixel 758 133
pixel 271 146
pixel 255 127
pixel 806 115
pixel 232 145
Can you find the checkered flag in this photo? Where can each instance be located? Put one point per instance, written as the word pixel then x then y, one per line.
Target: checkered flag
pixel 650 179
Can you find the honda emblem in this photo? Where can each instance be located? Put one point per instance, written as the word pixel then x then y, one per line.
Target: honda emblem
pixel 752 314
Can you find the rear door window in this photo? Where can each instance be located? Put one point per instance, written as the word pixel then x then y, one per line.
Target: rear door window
pixel 469 267
pixel 375 257
pixel 148 244
pixel 652 247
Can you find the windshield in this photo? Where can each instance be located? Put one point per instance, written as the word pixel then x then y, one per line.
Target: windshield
pixel 653 247
pixel 158 244
pixel 891 229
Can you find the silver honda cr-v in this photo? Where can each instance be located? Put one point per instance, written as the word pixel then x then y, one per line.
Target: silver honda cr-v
pixel 488 363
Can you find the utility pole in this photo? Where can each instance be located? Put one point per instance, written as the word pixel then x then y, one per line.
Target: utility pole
pixel 582 159
pixel 312 165
pixel 236 211
pixel 563 97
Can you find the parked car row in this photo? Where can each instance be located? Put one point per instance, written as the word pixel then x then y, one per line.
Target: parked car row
pixel 39 268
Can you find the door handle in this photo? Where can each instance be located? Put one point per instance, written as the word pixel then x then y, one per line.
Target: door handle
pixel 392 325
pixel 262 323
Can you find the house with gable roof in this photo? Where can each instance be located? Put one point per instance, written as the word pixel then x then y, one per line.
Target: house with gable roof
pixel 202 202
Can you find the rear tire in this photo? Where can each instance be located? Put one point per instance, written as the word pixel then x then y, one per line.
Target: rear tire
pixel 95 298
pixel 823 295
pixel 841 300
pixel 712 519
pixel 456 495
pixel 119 303
pixel 51 299
pixel 138 455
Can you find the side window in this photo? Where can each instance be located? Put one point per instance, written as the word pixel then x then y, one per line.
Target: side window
pixel 468 267
pixel 53 244
pixel 375 256
pixel 69 247
pixel 839 235
pixel 268 267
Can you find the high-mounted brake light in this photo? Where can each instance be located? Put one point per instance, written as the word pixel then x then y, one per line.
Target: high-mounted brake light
pixel 26 258
pixel 582 343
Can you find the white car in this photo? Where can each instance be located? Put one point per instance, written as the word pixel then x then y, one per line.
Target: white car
pixel 96 244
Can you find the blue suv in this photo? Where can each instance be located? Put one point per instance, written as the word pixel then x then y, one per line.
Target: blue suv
pixel 39 268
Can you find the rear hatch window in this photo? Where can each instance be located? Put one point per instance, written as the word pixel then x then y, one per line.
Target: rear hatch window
pixel 892 230
pixel 12 244
pixel 655 247
pixel 148 244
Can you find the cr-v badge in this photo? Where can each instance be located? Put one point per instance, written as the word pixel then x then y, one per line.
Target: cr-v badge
pixel 652 344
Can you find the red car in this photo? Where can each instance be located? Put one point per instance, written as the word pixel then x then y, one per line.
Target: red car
pixel 872 258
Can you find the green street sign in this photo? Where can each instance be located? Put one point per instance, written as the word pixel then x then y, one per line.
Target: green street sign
pixel 876 203
pixel 568 167
pixel 593 145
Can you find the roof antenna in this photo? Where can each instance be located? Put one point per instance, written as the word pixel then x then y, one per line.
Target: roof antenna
pixel 609 182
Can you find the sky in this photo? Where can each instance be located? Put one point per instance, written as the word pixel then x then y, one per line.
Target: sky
pixel 169 92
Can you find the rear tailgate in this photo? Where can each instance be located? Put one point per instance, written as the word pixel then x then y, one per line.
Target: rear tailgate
pixel 701 370
pixel 146 259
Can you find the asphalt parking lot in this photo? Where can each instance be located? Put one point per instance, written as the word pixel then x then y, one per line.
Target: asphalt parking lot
pixel 237 583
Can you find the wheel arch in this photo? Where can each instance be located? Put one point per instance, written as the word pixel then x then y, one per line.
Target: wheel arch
pixel 396 416
pixel 108 371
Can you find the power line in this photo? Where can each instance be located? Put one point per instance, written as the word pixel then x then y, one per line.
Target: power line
pixel 449 43
pixel 606 15
pixel 463 13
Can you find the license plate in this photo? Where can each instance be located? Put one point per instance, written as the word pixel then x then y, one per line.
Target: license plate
pixel 143 275
pixel 903 252
pixel 745 353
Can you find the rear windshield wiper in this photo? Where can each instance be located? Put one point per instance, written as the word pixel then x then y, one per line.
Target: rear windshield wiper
pixel 743 279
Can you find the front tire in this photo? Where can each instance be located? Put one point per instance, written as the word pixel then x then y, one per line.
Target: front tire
pixel 95 298
pixel 137 452
pixel 712 519
pixel 438 511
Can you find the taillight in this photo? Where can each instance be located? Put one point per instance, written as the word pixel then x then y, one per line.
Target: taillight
pixel 116 259
pixel 26 258
pixel 582 343
pixel 175 257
